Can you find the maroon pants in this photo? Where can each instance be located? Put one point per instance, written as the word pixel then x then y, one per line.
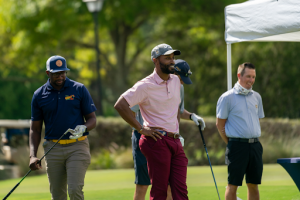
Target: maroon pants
pixel 167 163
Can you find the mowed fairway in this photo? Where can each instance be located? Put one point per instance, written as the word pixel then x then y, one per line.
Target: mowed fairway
pixel 118 184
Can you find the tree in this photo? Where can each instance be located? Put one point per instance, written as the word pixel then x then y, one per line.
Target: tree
pixel 32 31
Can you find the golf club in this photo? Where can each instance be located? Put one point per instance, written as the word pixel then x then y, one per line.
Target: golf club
pixel 69 130
pixel 199 126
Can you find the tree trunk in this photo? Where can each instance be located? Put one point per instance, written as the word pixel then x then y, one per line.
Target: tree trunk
pixel 120 37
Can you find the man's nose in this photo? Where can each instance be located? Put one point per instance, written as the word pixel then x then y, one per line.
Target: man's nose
pixel 173 61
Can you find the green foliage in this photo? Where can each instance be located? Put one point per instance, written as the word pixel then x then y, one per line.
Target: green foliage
pixel 111 133
pixel 277 75
pixel 279 139
pixel 15 98
pixel 32 31
pixel 102 160
pixel 112 157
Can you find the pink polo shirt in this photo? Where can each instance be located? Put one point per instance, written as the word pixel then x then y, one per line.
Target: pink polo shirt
pixel 158 100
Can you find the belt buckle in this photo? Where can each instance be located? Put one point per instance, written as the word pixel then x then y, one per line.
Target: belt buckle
pixel 251 140
pixel 175 135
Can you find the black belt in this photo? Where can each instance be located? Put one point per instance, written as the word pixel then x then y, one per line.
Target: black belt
pixel 251 140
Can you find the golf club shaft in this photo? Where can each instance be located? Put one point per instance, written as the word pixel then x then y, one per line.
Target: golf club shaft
pixel 209 160
pixel 16 185
pixel 37 163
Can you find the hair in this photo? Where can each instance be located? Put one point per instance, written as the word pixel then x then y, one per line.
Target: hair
pixel 242 67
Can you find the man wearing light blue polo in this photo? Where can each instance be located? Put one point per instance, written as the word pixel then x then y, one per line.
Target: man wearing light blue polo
pixel 238 114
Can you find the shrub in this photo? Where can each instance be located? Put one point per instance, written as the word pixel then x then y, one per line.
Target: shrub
pixel 280 139
pixel 112 157
pixel 102 160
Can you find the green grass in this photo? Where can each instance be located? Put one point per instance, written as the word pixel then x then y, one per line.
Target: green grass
pixel 118 185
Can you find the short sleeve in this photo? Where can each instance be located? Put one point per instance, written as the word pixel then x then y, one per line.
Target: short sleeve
pixel 261 113
pixel 36 111
pixel 137 94
pixel 222 108
pixel 181 105
pixel 87 104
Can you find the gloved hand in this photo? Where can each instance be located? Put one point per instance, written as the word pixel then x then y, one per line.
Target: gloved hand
pixel 198 119
pixel 182 141
pixel 78 132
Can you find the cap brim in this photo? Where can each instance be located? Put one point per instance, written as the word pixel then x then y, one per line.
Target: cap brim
pixel 186 79
pixel 58 70
pixel 176 52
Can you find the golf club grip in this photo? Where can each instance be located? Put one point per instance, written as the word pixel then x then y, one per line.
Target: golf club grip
pixel 11 191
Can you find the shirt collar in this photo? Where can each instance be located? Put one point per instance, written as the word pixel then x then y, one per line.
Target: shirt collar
pixel 157 79
pixel 49 86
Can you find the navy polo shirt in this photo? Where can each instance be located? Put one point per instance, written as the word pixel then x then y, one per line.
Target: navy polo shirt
pixel 61 109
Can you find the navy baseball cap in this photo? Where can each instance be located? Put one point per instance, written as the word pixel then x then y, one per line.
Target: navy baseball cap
pixel 183 69
pixel 56 64
pixel 163 49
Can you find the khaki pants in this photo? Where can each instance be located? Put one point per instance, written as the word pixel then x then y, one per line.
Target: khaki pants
pixel 66 164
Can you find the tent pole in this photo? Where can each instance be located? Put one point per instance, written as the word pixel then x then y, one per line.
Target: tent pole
pixel 229 74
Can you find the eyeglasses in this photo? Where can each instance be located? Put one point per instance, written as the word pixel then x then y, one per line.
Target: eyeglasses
pixel 58 74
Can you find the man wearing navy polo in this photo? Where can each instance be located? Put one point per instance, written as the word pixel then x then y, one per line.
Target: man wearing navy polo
pixel 61 104
pixel 238 114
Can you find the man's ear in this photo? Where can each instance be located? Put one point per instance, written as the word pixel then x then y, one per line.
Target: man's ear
pixel 48 73
pixel 239 75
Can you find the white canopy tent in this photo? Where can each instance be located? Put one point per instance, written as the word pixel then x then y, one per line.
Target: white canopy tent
pixel 261 20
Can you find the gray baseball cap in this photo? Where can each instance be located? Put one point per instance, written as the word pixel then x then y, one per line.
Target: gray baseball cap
pixel 163 49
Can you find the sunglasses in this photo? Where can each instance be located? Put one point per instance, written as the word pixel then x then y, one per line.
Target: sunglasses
pixel 58 74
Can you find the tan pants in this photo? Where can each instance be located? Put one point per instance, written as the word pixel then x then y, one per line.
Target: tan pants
pixel 66 164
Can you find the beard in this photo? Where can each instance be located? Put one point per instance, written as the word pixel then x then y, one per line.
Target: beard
pixel 167 69
pixel 57 84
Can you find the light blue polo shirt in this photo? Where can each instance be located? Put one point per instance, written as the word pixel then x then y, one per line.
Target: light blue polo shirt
pixel 242 113
pixel 138 115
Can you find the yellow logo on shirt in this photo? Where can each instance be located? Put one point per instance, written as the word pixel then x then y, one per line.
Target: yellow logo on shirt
pixel 256 106
pixel 71 97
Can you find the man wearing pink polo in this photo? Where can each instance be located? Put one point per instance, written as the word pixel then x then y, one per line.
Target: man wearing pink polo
pixel 158 96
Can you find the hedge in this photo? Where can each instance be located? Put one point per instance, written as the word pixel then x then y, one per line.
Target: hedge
pixel 280 139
